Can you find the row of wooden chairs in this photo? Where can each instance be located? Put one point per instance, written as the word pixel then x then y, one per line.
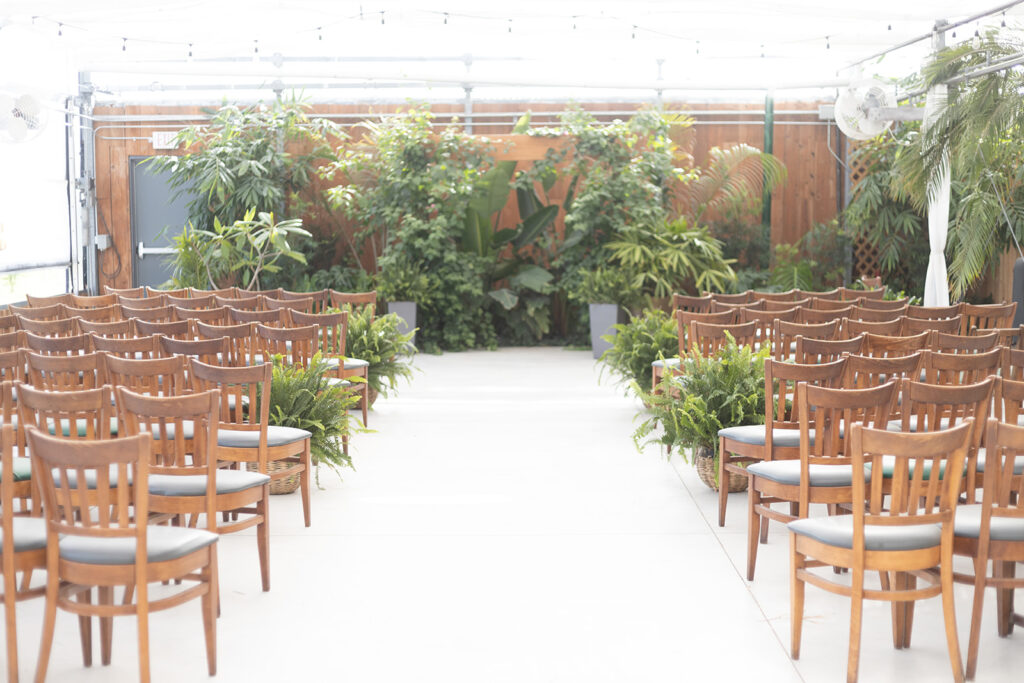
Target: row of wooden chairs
pixel 750 296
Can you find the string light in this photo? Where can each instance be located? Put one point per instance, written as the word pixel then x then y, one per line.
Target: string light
pixel 445 18
pixel 60 30
pixel 510 26
pixel 319 32
pixel 574 22
pixel 634 32
pixel 1003 22
pixel 762 51
pixel 255 47
pixel 124 45
pixel 382 17
pixel 190 50
pixel 828 44
pixel 890 27
pixel 698 48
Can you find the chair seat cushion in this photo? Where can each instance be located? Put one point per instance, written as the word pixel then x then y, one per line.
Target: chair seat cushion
pixel 228 481
pixel 889 466
pixel 1018 462
pixel 29 533
pixel 838 531
pixel 666 363
pixel 338 382
pixel 755 435
pixel 276 436
pixel 21 468
pixel 967 524
pixel 81 427
pixel 897 425
pixel 187 426
pixel 350 363
pixel 162 543
pixel 788 472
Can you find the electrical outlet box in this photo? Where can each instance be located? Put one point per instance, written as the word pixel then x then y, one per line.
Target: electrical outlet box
pixel 102 242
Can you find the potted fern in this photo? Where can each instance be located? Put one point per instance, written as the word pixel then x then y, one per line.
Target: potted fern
pixel 710 394
pixel 381 342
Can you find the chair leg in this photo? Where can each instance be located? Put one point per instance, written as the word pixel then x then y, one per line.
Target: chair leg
pixel 210 602
pixel 49 621
pixel 263 537
pixel 796 598
pixel 106 597
pixel 763 535
pixel 85 628
pixel 1004 599
pixel 723 478
pixel 949 615
pixel 366 394
pixel 887 580
pixel 142 615
pixel 11 618
pixel 908 624
pixel 856 613
pixel 753 527
pixel 307 466
pixel 980 571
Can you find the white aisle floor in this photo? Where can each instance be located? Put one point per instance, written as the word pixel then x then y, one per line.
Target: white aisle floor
pixel 501 527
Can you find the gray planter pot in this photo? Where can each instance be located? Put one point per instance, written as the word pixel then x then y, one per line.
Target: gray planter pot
pixel 602 317
pixel 406 310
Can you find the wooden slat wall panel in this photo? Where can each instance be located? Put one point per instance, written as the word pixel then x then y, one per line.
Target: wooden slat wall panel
pixel 809 196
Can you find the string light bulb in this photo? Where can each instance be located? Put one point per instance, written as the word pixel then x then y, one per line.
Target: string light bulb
pixel 319 32
pixel 124 45
pixel 634 32
pixel 890 27
pixel 255 47
pixel 1003 22
pixel 445 18
pixel 510 26
pixel 60 30
pixel 762 51
pixel 698 48
pixel 828 43
pixel 382 17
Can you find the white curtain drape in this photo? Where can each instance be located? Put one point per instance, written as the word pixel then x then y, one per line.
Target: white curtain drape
pixel 936 284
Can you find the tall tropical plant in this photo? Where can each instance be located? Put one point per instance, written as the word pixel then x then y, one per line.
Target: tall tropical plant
pixel 733 181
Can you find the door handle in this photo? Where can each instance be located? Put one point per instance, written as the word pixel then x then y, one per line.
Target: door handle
pixel 145 251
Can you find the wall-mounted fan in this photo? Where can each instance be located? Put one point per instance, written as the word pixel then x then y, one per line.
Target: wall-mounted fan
pixel 863 110
pixel 22 117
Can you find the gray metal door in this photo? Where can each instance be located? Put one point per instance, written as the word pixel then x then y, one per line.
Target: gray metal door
pixel 156 219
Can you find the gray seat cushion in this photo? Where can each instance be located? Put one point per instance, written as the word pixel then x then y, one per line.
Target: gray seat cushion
pixel 162 543
pixel 187 426
pixel 754 434
pixel 350 363
pixel 666 363
pixel 228 481
pixel 889 466
pixel 967 524
pixel 788 472
pixel 21 469
pixel 338 382
pixel 90 478
pixel 897 425
pixel 29 533
pixel 1018 462
pixel 81 427
pixel 276 436
pixel 838 531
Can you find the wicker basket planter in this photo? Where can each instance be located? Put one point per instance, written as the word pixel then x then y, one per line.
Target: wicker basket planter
pixel 704 462
pixel 278 487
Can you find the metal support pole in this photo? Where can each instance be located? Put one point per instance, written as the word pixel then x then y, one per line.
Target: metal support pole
pixel 86 183
pixel 467 102
pixel 769 147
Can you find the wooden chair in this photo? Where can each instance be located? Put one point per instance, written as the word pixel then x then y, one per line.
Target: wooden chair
pixel 707 338
pixel 884 346
pixel 877 316
pixel 8 322
pixel 89 410
pixel 237 317
pixel 160 377
pixel 1013 365
pixel 135 304
pixel 779 437
pixel 832 304
pixel 132 348
pixel 863 372
pixel 12 367
pixel 321 298
pixel 791 295
pixel 98 301
pixel 1010 337
pixel 226 292
pixel 986 316
pixel 811 316
pixel 683 320
pixel 781 306
pixel 823 474
pixel 211 316
pixel 191 303
pixel 65 373
pixel 354 299
pixel 934 312
pixel 179 329
pixel 784 334
pixel 304 305
pixel 241 301
pixel 296 345
pixel 54 312
pixel 44 301
pixel 961 368
pixel 110 544
pixel 682 302
pixel 994 531
pixel 241 344
pixel 957 343
pixel 333 329
pixel 130 292
pixel 853 327
pixel 905 539
pixel 765 322
pixel 160 314
pixel 724 306
pixel 918 325
pixel 272 293
pixel 10 341
pixel 831 295
pixel 816 351
pixel 103 314
pixel 152 292
pixel 212 351
pixel 64 346
pixel 741 298
pixel 851 294
pixel 23 543
pixel 64 327
pixel 245 434
pixel 885 305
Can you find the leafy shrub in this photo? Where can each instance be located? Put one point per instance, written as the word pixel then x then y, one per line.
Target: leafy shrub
pixel 383 346
pixel 638 343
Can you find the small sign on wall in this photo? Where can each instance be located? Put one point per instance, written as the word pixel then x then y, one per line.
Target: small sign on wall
pixel 165 139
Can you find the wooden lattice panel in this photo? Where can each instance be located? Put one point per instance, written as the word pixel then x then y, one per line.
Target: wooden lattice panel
pixel 865 256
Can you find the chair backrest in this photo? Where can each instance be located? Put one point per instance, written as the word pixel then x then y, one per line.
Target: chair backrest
pixel 272 293
pixel 44 301
pixel 831 295
pixel 263 317
pixel 226 292
pixel 765 321
pixel 784 334
pixel 321 298
pixel 64 327
pixel 179 329
pixel 1002 486
pixel 136 303
pixel 243 301
pixel 240 388
pixel 8 322
pixel 305 304
pixel 932 407
pixel 875 316
pixel 1008 405
pixel 214 351
pixel 129 347
pixel 149 376
pixel 85 414
pixel 961 368
pixel 781 378
pixel 101 505
pixel 813 316
pixel 780 306
pixel 985 316
pixel 160 314
pixel 820 304
pixel 791 295
pixel 958 343
pixel 912 497
pixel 848 293
pixel 54 312
pixel 191 303
pixel 12 365
pixel 295 344
pixel 66 346
pixel 885 305
pixel 1013 364
pixel 723 306
pixel 917 325
pixel 100 314
pixel 98 301
pixel 13 340
pixel 883 346
pixel 692 304
pixel 152 291
pixel 333 329
pixel 741 298
pixel 810 350
pixel 130 292
pixel 934 312
pixel 863 372
pixel 355 299
pixel 7 512
pixel 707 338
pixel 65 373
pixel 1010 337
pixel 684 318
pixel 211 316
pixel 241 340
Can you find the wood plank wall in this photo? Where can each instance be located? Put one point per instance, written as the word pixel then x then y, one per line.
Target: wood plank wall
pixel 810 195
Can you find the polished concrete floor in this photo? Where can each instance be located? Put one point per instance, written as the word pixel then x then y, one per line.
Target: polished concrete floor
pixel 502 527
